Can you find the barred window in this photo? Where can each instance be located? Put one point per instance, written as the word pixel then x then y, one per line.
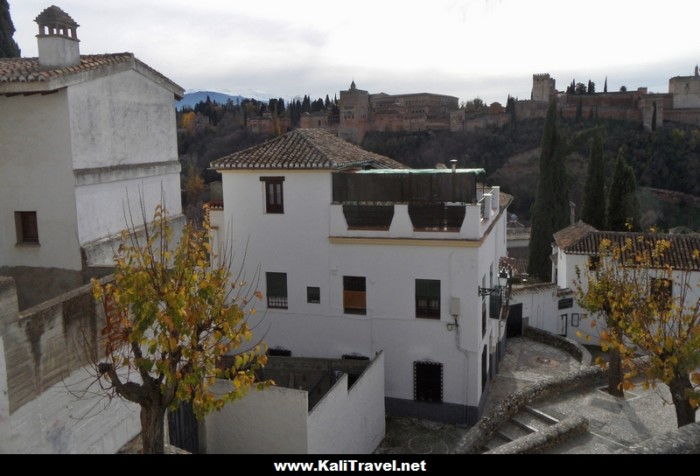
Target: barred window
pixel 276 290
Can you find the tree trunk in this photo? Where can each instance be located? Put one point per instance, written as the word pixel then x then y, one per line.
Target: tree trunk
pixel 152 434
pixel 685 413
pixel 615 374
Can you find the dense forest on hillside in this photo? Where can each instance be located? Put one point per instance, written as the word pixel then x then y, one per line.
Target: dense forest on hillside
pixel 668 158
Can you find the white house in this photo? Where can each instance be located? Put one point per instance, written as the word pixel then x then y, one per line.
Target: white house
pixel 357 254
pixel 78 134
pixel 553 306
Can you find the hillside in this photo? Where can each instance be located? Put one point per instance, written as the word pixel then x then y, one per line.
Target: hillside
pixel 192 98
pixel 666 159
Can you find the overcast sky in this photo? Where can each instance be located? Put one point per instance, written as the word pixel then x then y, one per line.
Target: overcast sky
pixel 466 48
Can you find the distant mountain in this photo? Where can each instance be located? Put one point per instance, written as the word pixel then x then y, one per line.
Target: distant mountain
pixel 193 97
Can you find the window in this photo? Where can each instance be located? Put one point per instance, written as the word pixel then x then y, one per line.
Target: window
pixel 279 352
pixel 274 196
pixel 566 303
pixel 277 290
pixel 593 262
pixel 428 298
pixel 26 226
pixel 427 382
pixel 354 295
pixel 313 295
pixel 662 290
pixel 575 319
pixel 483 318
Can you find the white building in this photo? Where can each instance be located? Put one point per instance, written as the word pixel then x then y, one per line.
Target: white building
pixel 78 133
pixel 357 254
pixel 553 306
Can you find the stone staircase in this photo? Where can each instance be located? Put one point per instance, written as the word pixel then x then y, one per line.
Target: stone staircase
pixel 529 420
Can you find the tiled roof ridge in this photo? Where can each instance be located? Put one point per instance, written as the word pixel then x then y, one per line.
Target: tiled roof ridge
pixel 29 69
pixel 303 132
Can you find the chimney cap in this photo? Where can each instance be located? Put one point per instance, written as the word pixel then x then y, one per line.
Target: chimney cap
pixel 55 16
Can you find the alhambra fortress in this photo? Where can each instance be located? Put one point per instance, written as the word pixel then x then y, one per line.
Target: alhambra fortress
pixel 361 112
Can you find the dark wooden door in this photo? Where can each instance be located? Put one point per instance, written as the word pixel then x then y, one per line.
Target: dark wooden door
pixel 514 324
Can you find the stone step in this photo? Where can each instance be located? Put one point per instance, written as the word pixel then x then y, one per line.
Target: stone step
pixel 530 422
pixel 496 441
pixel 513 431
pixel 540 414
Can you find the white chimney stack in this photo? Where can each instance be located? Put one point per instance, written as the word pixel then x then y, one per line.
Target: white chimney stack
pixel 57 38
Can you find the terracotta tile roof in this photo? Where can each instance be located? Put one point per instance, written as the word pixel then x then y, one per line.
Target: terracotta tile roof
pixel 305 149
pixel 682 254
pixel 566 236
pixel 24 70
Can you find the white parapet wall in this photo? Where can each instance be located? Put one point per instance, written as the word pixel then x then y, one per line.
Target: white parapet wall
pixel 278 420
pixel 350 420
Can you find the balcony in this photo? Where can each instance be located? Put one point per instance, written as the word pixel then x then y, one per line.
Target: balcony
pixel 436 204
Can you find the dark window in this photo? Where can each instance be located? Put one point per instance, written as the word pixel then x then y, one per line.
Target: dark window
pixel 575 319
pixel 566 303
pixel 279 352
pixel 313 294
pixel 662 291
pixel 427 382
pixel 274 196
pixel 277 290
pixel 483 318
pixel 593 262
pixel 26 226
pixel 354 295
pixel 428 298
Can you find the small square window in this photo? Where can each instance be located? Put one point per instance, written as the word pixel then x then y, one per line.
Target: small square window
pixel 26 227
pixel 313 295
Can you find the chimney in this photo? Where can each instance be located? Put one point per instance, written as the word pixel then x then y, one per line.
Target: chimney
pixel 57 38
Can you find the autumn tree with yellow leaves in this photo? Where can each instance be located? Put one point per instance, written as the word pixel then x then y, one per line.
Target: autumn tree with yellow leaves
pixel 653 315
pixel 171 316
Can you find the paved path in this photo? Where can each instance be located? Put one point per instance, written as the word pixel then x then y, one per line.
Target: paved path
pixel 525 362
pixel 614 423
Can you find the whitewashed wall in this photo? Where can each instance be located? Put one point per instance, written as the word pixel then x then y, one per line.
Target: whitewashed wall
pixel 269 421
pixel 350 420
pixel 36 175
pixel 122 122
pixel 123 118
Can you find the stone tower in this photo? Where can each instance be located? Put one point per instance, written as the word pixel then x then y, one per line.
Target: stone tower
pixel 57 38
pixel 354 114
pixel 543 87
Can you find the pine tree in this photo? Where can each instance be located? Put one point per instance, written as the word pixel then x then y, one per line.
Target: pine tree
pixel 623 207
pixel 551 208
pixel 8 46
pixel 593 211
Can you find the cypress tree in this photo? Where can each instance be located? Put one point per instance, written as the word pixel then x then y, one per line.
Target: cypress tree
pixel 623 207
pixel 8 46
pixel 550 211
pixel 605 87
pixel 593 211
